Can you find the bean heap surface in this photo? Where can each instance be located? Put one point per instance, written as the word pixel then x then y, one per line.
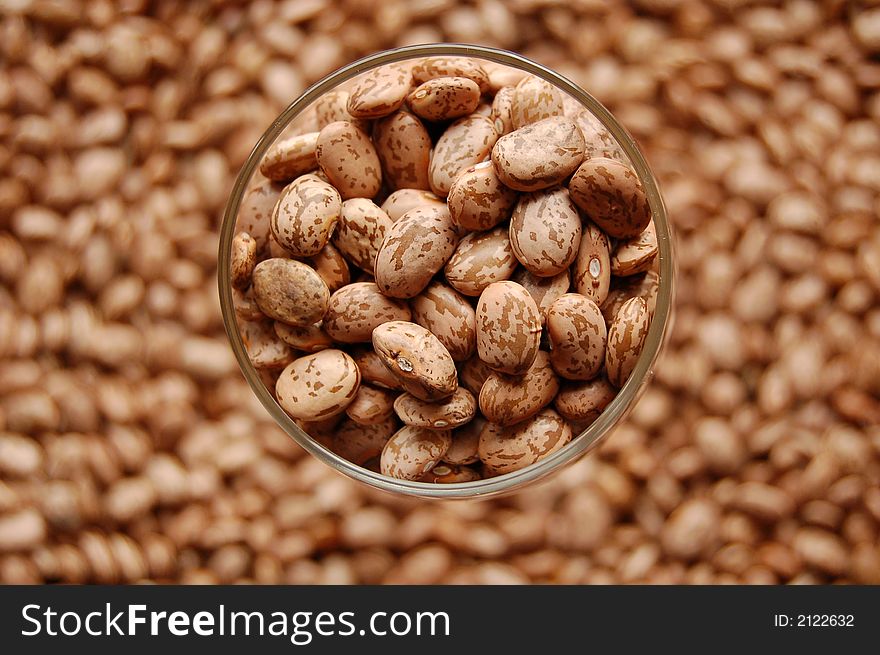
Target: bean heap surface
pixel 453 280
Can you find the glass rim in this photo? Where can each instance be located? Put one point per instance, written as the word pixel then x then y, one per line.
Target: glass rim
pixel 589 438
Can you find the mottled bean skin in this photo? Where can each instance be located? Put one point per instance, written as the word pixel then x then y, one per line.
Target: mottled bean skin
pixel 444 98
pixel 441 310
pixel 611 194
pixel 478 200
pixel 348 158
pixel 243 259
pixel 508 399
pixel 264 348
pixel 433 67
pixel 577 334
pixel 373 370
pixel 370 406
pixel 417 358
pixel 508 328
pixel 331 266
pixel 626 336
pixel 412 452
pixel 332 107
pixel 290 291
pixel 466 142
pixel 502 110
pixel 289 158
pixel 444 473
pixel 504 450
pixel 591 274
pixel 635 255
pixel 404 148
pixel 598 141
pixel 585 400
pixel 480 259
pixel 450 413
pixel 543 290
pixel 415 248
pixel 359 443
pixel 545 231
pixel 534 100
pixel 465 442
pixel 318 386
pixel 310 339
pixel 360 231
pixel 474 373
pixel 255 212
pixel 539 155
pixel 305 215
pixel 356 310
pixel 380 91
pixel 402 200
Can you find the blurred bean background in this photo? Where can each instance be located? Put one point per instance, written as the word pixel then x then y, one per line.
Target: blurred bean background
pixel 131 448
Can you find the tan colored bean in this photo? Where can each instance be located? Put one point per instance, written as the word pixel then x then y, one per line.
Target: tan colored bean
pixel 380 91
pixel 635 255
pixel 357 309
pixel 348 158
pixel 449 473
pixel 318 386
pixel 577 334
pixel 465 442
pixel 360 443
pixel 290 291
pixel 591 276
pixel 374 371
pixel 264 348
pixel 478 200
pixel 370 406
pixel 305 216
pixel 415 248
pixel 402 200
pixel 331 266
pixel 447 315
pixel 450 413
pixel 502 110
pixel 412 452
pixel 480 259
pixel 289 158
pixel 508 328
pixel 584 401
pixel 505 450
pixel 539 155
pixel 433 67
pixel 474 374
pixel 444 98
pixel 534 100
pixel 308 339
pixel 611 194
pixel 626 336
pixel 417 358
pixel 244 258
pixel 543 290
pixel 360 231
pixel 404 148
pixel 545 231
pixel 506 399
pixel 466 142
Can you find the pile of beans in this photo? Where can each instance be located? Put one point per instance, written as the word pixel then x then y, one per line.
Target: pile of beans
pixel 505 209
pixel 132 449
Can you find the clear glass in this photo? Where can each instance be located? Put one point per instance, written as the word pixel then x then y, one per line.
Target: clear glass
pixel 579 445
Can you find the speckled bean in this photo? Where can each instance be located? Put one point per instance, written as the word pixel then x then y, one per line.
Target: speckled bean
pixel 318 386
pixel 412 452
pixel 480 259
pixel 417 358
pixel 508 328
pixel 357 309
